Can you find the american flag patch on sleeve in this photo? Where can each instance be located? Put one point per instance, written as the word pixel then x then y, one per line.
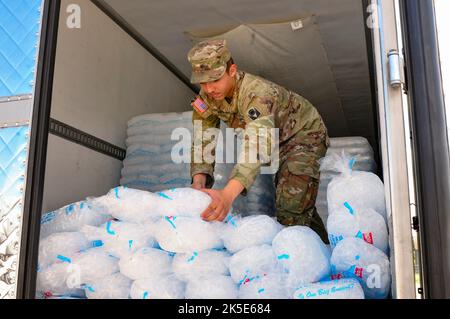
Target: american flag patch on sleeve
pixel 199 105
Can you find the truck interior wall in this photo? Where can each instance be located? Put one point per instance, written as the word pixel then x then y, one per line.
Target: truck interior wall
pixel 103 77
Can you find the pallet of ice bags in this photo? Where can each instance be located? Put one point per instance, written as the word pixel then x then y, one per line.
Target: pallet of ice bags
pixel 149 151
pixel 128 245
pixel 157 121
pixel 156 129
pixel 156 177
pixel 257 257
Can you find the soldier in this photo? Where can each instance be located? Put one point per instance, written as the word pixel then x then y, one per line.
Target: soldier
pixel 243 100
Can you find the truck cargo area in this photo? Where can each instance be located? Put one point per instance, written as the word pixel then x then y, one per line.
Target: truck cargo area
pixel 129 58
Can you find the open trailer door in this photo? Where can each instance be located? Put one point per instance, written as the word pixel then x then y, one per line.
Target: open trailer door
pixel 21 57
pixel 429 131
pixel 20 37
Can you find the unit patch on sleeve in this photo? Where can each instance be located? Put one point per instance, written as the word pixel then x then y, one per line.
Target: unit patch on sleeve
pixel 253 113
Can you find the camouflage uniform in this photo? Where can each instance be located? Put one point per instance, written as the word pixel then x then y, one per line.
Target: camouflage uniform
pixel 258 103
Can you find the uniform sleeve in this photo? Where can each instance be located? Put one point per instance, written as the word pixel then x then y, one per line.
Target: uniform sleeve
pixel 198 162
pixel 258 142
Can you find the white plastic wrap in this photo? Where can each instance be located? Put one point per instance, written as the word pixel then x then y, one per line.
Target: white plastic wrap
pixel 302 254
pixel 212 287
pixel 334 289
pixel 196 264
pixel 146 262
pixel 160 119
pixel 354 258
pixel 365 224
pixel 146 150
pixel 158 287
pixel 240 233
pixel 153 167
pixel 153 141
pixel 145 159
pixel 167 129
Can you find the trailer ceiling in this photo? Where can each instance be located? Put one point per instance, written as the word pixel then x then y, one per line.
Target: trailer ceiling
pixel 325 60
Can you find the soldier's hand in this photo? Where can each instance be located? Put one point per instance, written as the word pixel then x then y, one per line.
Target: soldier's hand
pixel 219 207
pixel 199 181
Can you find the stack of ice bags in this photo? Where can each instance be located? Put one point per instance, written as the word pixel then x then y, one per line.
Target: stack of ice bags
pixel 357 226
pixel 155 245
pixel 357 147
pixel 149 166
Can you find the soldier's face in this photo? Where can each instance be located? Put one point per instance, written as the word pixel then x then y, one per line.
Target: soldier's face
pixel 221 88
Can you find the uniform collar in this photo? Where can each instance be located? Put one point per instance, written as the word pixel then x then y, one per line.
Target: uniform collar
pixel 233 107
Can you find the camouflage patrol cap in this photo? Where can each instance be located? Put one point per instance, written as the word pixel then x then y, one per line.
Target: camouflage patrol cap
pixel 209 60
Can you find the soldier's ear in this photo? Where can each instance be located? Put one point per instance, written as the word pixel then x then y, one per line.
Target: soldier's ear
pixel 233 70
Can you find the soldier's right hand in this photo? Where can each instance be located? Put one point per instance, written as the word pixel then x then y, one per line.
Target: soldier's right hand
pixel 199 181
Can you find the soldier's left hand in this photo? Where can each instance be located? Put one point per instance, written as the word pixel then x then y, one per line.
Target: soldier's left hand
pixel 219 207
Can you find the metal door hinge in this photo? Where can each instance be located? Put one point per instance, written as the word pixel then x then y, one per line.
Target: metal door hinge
pixel 396 69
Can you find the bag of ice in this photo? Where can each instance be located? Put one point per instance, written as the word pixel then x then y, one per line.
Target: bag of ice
pixel 363 223
pixel 357 188
pixel 302 255
pixel 354 258
pixel 240 233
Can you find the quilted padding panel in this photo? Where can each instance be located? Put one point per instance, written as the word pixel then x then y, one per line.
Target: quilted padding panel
pixel 13 157
pixel 19 28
